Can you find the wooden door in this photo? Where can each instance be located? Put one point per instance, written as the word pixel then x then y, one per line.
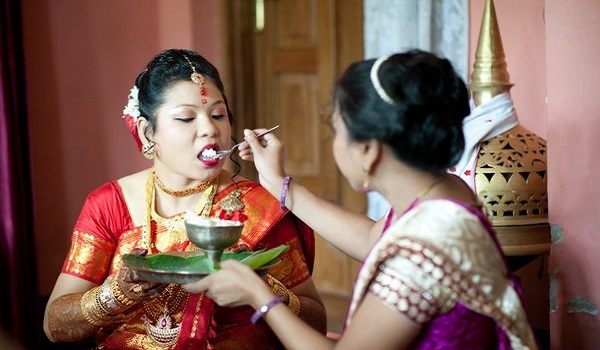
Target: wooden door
pixel 283 73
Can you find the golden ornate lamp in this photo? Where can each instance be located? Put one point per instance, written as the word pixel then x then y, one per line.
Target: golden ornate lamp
pixel 510 175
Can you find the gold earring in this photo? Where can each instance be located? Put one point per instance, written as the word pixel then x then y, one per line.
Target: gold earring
pixel 365 185
pixel 149 150
pixel 366 181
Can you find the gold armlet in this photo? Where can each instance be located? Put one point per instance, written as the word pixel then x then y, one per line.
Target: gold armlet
pixel 288 297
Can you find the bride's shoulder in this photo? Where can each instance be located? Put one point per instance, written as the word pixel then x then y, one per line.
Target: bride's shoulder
pixel 134 181
pixel 133 186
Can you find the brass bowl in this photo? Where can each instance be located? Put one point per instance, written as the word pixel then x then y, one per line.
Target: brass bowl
pixel 213 235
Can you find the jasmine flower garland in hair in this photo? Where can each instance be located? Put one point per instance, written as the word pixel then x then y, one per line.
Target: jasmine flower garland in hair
pixel 131 114
pixel 133 106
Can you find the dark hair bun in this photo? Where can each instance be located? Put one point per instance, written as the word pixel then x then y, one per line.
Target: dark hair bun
pixel 423 126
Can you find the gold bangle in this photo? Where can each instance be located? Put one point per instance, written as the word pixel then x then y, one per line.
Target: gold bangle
pixel 287 296
pixel 91 309
pixel 96 311
pixel 118 294
pixel 107 300
pixel 294 303
pixel 278 288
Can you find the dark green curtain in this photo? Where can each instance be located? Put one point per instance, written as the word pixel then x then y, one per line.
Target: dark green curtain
pixel 19 309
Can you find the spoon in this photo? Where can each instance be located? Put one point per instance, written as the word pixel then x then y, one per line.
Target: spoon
pixel 223 153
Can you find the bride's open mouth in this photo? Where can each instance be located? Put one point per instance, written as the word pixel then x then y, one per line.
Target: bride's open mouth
pixel 208 153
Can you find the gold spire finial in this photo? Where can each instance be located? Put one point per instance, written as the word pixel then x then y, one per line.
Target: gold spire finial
pixel 490 76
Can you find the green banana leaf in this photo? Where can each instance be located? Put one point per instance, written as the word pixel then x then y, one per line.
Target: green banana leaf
pixel 199 263
pixel 262 258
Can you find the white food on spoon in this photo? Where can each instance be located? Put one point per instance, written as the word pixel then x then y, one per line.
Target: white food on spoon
pixel 209 153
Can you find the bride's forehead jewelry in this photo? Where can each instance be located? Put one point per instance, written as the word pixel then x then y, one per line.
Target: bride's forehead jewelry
pixel 197 78
pixel 375 80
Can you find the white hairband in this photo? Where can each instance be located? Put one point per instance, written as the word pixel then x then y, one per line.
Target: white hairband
pixel 375 80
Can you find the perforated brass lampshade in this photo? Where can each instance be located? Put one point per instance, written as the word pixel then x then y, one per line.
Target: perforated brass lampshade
pixel 510 176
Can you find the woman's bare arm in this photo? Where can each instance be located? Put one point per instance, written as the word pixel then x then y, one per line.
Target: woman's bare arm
pixel 374 324
pixel 348 231
pixel 63 320
pixel 67 318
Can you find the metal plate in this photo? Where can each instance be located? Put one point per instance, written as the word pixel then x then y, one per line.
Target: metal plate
pixel 187 267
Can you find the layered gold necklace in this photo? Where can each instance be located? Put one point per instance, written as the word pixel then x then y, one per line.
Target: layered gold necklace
pixel 202 209
pixel 165 329
pixel 161 326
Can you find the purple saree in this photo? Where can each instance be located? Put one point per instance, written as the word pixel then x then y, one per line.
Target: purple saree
pixel 440 265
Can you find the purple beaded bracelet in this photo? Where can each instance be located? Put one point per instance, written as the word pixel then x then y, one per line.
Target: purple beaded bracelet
pixel 261 311
pixel 284 190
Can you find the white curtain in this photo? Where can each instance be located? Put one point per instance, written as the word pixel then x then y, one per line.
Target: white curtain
pixel 438 26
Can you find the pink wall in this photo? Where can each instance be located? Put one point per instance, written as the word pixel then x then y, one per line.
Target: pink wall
pixel 573 73
pixel 82 57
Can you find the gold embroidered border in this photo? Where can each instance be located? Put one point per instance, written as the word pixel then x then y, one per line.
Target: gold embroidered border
pixel 89 257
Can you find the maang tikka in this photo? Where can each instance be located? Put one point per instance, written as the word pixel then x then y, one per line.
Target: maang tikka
pixel 197 79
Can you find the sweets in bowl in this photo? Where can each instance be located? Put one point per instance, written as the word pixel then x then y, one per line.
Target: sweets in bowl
pixel 213 235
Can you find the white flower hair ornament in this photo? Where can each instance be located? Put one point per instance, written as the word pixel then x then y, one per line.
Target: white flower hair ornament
pixel 133 104
pixel 131 114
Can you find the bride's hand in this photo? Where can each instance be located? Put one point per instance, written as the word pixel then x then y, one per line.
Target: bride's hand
pixel 135 288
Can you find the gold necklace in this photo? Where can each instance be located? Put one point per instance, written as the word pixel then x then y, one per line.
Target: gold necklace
pixel 180 193
pixel 417 199
pixel 203 209
pixel 154 307
pixel 429 187
pixel 164 330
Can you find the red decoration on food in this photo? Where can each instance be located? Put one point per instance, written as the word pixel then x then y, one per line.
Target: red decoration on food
pixel 233 216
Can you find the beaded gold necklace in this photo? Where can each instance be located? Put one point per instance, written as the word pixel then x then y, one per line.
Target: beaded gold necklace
pixel 202 209
pixel 180 193
pixel 165 330
pixel 161 326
